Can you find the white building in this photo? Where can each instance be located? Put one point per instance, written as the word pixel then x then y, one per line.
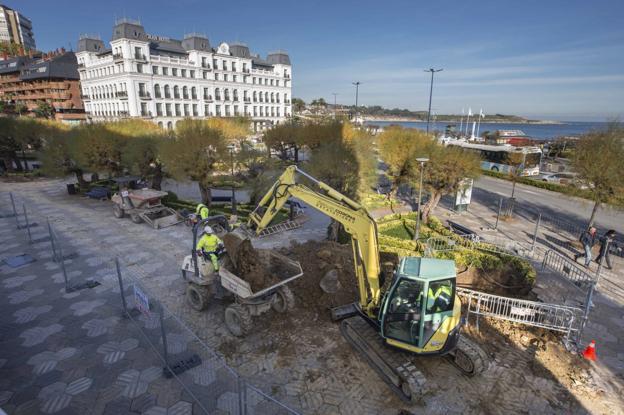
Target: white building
pixel 166 80
pixel 16 28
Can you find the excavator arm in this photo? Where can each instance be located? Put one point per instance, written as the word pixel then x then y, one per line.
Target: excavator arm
pixel 355 219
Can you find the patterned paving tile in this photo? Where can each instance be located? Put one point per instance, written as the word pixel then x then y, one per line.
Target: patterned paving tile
pixel 46 361
pixel 22 296
pixel 57 396
pixel 97 327
pixel 83 308
pixel 28 314
pixel 37 335
pixel 114 351
pixel 135 383
pixel 18 281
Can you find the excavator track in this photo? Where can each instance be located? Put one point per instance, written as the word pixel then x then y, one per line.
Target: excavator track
pixel 469 357
pixel 395 367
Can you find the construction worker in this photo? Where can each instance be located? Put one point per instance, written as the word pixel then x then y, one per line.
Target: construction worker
pixel 210 246
pixel 202 211
pixel 441 298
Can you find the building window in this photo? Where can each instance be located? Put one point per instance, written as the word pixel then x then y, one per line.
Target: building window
pixel 185 94
pixel 174 71
pixel 234 78
pixel 215 63
pixel 177 110
pixel 183 73
pixel 253 80
pixel 226 95
pixel 227 110
pixel 236 110
pixel 255 111
pixel 157 91
pixel 218 110
pixel 167 91
pixel 195 113
pixel 187 110
pixel 217 94
pixel 255 97
pixel 168 109
pixel 139 67
pixel 193 93
pixel 205 74
pixel 155 70
pixel 159 109
pixel 160 124
pixel 233 66
pixel 206 110
pixel 143 109
pixel 225 77
pixel 277 82
pixel 176 92
pixel 235 93
pixel 216 76
pixel 192 74
pixel 165 71
pixel 224 65
pixel 169 125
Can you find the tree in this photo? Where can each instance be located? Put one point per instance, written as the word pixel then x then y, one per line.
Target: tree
pixel 58 156
pixel 97 148
pixel 516 165
pixel 193 153
pixel 320 102
pixel 443 173
pixel 298 104
pixel 20 108
pixel 44 110
pixel 18 135
pixel 599 159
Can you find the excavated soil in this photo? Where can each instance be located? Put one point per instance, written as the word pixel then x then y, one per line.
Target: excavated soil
pixel 253 265
pixel 506 282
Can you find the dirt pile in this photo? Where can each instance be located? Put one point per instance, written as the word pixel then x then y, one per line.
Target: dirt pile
pixel 250 264
pixel 506 281
pixel 317 260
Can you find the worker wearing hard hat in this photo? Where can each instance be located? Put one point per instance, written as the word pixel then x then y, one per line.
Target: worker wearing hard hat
pixel 210 246
pixel 202 211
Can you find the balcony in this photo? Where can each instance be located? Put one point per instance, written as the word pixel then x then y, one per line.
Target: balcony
pixel 218 97
pixel 235 99
pixel 208 98
pixel 193 96
pixel 185 96
pixel 246 70
pixel 124 114
pixel 286 101
pixel 117 57
pixel 286 76
pixel 81 66
pixel 147 114
pixel 247 100
pixel 121 94
pixel 85 97
pixel 140 57
pixel 144 95
pixel 206 65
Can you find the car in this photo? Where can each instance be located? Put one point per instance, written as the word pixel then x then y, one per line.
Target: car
pixel 565 178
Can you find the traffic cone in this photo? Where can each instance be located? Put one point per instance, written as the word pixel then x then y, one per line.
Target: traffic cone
pixel 590 351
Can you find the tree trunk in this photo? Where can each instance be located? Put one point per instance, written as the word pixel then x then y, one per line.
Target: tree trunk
pixel 593 214
pixel 431 204
pixel 206 194
pixel 296 154
pixel 513 188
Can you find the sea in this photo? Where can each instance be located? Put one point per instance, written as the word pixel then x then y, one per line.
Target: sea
pixel 538 131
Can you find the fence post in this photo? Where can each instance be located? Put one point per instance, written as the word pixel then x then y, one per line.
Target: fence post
pixel 121 287
pixel 27 224
pixel 54 257
pixel 500 207
pixel 537 225
pixel 163 334
pixel 590 293
pixel 242 395
pixel 12 204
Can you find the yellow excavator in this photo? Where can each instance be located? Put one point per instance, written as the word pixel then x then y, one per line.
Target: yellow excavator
pixel 411 310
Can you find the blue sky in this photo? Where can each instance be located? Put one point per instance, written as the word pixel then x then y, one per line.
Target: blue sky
pixel 549 58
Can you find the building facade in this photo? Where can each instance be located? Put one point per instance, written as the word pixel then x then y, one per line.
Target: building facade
pixel 166 80
pixel 51 78
pixel 16 28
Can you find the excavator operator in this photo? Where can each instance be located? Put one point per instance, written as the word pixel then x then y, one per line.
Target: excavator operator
pixel 210 247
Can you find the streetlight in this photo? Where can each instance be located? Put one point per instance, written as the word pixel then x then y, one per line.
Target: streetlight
pixel 334 94
pixel 422 161
pixel 431 93
pixel 357 89
pixel 231 148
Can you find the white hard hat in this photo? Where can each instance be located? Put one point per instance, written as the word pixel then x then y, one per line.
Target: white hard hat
pixel 208 229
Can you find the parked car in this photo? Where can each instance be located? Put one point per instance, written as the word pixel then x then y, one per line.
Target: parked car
pixel 565 178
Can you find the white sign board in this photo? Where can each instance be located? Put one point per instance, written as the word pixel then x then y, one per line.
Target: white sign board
pixel 141 301
pixel 464 194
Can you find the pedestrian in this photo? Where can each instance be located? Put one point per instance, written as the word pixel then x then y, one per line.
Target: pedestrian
pixel 588 239
pixel 605 242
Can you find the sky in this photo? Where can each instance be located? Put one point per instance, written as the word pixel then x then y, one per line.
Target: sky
pixel 545 59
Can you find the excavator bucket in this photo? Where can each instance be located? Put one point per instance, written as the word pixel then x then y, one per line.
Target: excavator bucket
pixel 234 242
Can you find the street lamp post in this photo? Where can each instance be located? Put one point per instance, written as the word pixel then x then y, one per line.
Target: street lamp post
pixel 231 148
pixel 357 90
pixel 430 93
pixel 334 94
pixel 422 161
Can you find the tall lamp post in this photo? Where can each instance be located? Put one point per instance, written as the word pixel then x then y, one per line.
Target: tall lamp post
pixel 422 161
pixel 334 94
pixel 357 90
pixel 231 148
pixel 430 93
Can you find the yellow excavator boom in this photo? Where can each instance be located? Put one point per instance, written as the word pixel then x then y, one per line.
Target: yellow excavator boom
pixel 355 219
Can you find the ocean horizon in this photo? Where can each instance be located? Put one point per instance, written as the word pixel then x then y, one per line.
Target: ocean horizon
pixel 540 131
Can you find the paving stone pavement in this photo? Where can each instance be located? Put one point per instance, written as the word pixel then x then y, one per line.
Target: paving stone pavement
pixel 320 375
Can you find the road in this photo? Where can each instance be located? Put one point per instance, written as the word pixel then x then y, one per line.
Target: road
pixel 488 190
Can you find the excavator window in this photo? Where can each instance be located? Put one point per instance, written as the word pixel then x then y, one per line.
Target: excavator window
pixel 440 296
pixel 402 319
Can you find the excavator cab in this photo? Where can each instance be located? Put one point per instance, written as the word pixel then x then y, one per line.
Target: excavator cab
pixel 420 311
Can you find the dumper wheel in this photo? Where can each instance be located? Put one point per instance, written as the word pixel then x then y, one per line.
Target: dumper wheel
pixel 118 211
pixel 198 296
pixel 238 320
pixel 136 218
pixel 284 300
